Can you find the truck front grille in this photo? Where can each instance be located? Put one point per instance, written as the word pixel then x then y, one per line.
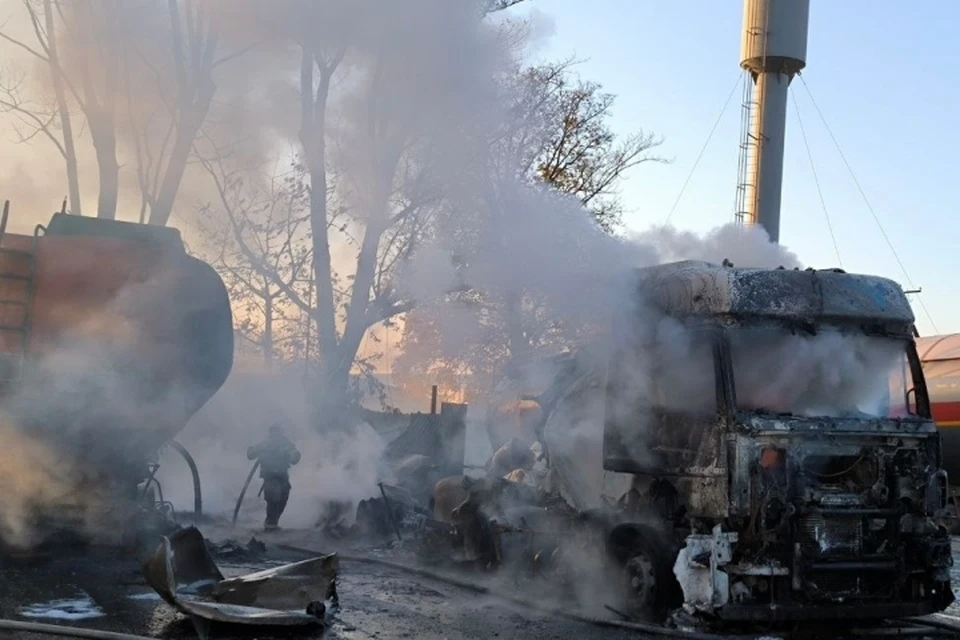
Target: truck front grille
pixel 832 535
pixel 856 585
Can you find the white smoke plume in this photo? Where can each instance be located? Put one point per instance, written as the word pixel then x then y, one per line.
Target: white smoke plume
pixel 545 247
pixel 102 388
pixel 828 374
pixel 32 475
pixel 417 81
pixel 335 466
pixel 744 246
pixel 422 85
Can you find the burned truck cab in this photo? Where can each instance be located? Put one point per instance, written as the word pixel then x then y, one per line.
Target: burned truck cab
pixel 780 425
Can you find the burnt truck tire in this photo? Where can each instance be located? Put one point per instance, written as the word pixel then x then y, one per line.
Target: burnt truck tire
pixel 955 525
pixel 645 558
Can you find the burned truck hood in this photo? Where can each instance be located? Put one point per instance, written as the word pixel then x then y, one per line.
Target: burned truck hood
pixel 692 288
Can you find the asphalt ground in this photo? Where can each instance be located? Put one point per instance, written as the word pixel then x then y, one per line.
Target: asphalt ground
pixel 101 589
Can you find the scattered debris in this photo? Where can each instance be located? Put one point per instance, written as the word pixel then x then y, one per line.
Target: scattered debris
pixel 376 516
pixel 231 550
pixel 81 607
pixel 184 574
pixel 333 520
pixel 393 520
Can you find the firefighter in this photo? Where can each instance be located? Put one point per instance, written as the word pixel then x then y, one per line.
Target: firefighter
pixel 276 455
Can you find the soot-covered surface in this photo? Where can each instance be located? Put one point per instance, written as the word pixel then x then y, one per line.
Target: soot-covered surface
pixel 376 603
pixel 954 609
pixel 99 589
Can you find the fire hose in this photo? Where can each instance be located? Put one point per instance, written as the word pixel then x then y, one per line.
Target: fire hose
pixel 243 492
pixel 924 627
pixel 484 590
pixel 63 630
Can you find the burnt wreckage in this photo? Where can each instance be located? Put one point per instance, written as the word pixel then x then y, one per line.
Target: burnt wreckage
pixel 778 430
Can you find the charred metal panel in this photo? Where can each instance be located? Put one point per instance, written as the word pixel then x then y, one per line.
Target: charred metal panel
pixel 184 574
pixel 702 289
pixel 699 569
pixel 760 425
pixel 440 437
pixel 705 496
pixel 847 518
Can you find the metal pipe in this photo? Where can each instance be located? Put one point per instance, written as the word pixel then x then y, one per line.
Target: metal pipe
pixel 860 513
pixel 146 486
pixel 197 495
pixel 159 492
pixel 904 632
pixel 386 503
pixel 433 400
pixel 3 218
pixel 883 565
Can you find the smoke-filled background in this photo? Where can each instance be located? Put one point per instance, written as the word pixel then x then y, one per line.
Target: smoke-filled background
pixel 392 197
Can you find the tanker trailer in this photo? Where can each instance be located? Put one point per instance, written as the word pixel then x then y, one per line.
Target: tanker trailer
pixel 111 338
pixel 940 356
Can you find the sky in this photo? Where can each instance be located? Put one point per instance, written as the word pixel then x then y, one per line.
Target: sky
pixel 880 73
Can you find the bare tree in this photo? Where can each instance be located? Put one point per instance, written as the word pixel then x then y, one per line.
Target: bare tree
pixel 265 253
pixel 162 159
pixel 568 143
pixel 97 35
pixel 156 61
pixel 381 215
pixel 317 70
pixel 37 119
pixel 560 136
pixel 370 181
pixel 257 236
pixel 391 210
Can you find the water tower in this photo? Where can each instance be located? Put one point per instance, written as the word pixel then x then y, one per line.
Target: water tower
pixel 773 50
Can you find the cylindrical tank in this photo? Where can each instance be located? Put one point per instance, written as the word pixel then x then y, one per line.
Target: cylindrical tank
pixel 111 338
pixel 940 356
pixel 774 35
pixel 773 49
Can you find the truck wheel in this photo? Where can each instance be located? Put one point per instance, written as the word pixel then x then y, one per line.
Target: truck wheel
pixel 955 527
pixel 651 589
pixel 641 575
